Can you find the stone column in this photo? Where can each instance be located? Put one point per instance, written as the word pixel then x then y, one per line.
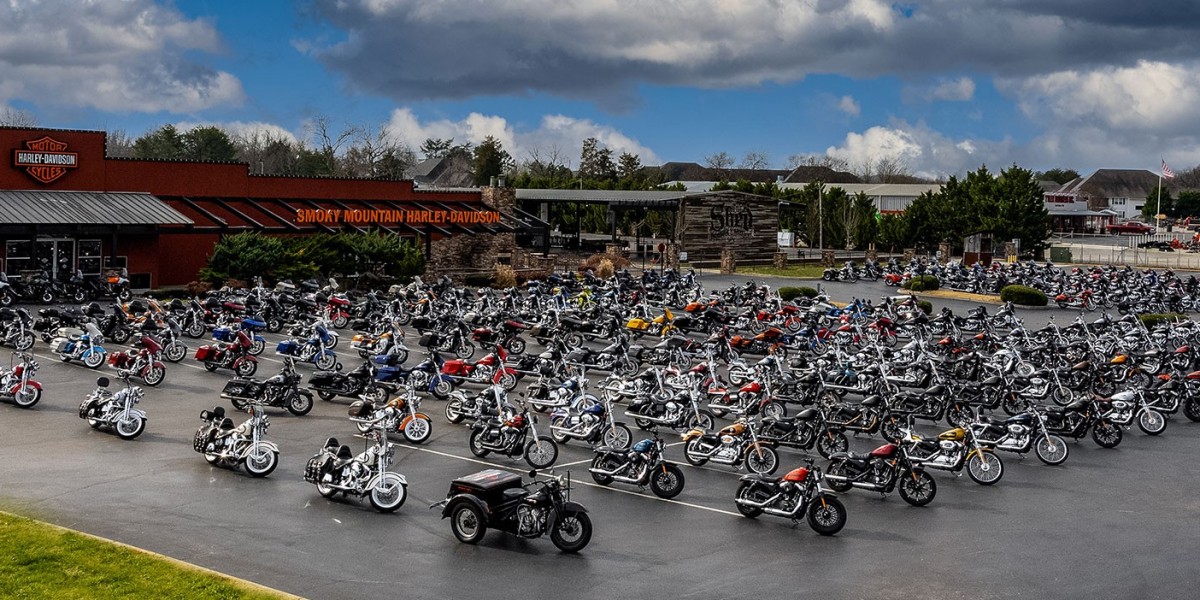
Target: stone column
pixel 671 256
pixel 780 261
pixel 828 259
pixel 728 262
pixel 872 254
pixel 944 248
pixel 909 254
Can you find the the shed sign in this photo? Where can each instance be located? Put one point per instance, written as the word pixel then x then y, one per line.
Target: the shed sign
pixel 45 159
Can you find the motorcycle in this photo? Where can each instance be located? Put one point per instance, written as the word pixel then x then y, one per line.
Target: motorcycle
pixel 224 445
pixel 507 432
pixel 644 465
pixel 400 415
pixel 233 355
pixel 1020 434
pixel 335 468
pixel 496 499
pixel 281 391
pixel 799 492
pixel 679 412
pixel 312 350
pixel 116 411
pixel 82 345
pixel 359 382
pixel 1076 419
pixel 803 431
pixel 17 383
pixel 734 444
pixel 142 361
pixel 18 328
pixel 593 424
pixel 884 469
pixel 954 450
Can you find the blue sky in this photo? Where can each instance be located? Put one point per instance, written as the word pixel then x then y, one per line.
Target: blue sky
pixel 942 86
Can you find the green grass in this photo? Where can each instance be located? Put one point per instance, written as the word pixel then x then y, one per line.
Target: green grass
pixel 799 271
pixel 38 561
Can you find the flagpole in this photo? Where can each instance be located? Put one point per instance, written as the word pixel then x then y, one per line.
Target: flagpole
pixel 1158 211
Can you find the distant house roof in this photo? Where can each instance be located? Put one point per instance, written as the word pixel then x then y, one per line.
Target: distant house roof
pixel 452 171
pixel 817 173
pixel 879 189
pixel 690 171
pixel 644 198
pixel 1111 183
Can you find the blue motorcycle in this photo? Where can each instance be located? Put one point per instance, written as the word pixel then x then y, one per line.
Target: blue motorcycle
pixel 82 345
pixel 311 350
pixel 251 327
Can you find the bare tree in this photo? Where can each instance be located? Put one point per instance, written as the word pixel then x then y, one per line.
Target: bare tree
pixel 544 161
pixel 374 153
pixel 267 153
pixel 720 162
pixel 817 160
pixel 15 117
pixel 118 144
pixel 891 170
pixel 756 160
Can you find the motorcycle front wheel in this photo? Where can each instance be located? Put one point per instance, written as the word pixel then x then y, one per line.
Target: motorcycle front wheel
pixel 417 431
pixel 826 515
pixel 571 531
pixel 832 442
pixel 1051 449
pixel 195 330
pixel 619 436
pixel 516 346
pixel 985 468
pixel 300 404
pixel 666 481
pixel 541 453
pixel 93 360
pixel 467 523
pixel 917 487
pixel 261 462
pixel 25 342
pixel 464 350
pixel 1151 422
pixel 326 362
pixel 763 460
pixel 246 368
pixel 175 352
pixel 389 493
pixel 257 347
pixel 155 376
pixel 704 420
pixel 129 427
pixel 27 396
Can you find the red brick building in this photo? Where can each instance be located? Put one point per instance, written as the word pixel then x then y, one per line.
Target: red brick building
pixel 64 205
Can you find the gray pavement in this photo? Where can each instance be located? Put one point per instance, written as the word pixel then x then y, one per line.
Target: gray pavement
pixel 1119 523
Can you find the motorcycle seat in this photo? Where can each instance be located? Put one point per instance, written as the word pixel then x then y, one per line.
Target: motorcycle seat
pixel 783 425
pixel 343 457
pixel 515 494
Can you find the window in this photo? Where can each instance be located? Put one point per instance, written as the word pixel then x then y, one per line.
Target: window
pixel 20 256
pixel 1117 201
pixel 90 256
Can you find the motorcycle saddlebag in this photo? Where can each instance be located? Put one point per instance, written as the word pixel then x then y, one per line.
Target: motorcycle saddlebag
pixel 288 347
pixel 59 345
pixel 205 353
pixel 223 334
pixel 241 389
pixel 119 360
pixel 429 339
pixel 314 467
pixel 360 409
pixel 487 485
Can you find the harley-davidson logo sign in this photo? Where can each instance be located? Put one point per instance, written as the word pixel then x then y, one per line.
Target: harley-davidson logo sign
pixel 45 160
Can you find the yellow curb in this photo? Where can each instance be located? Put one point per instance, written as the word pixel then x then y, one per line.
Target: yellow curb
pixel 952 295
pixel 257 587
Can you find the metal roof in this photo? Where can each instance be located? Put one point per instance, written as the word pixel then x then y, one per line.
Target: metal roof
pixel 647 198
pixel 878 189
pixel 44 207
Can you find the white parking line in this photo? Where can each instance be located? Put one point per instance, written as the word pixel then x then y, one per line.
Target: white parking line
pixel 576 481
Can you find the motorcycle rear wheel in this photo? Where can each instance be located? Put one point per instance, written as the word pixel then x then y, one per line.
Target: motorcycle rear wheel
pixel 826 515
pixel 1107 434
pixel 326 491
pixel 571 532
pixel 454 411
pixel 467 523
pixel 693 454
pixel 476 445
pixel 748 491
pixel 838 469
pixel 1191 409
pixel 604 462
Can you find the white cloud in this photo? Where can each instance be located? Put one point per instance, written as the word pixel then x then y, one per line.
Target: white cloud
pixel 923 151
pixel 554 131
pixel 960 89
pixel 131 56
pixel 244 129
pixel 847 105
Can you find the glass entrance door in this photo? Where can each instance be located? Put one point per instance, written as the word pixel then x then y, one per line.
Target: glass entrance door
pixel 56 257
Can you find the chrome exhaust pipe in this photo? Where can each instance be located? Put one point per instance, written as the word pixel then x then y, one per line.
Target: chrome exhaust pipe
pixel 783 513
pixel 762 505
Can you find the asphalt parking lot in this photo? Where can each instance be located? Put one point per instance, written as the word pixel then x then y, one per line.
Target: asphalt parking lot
pixel 1121 523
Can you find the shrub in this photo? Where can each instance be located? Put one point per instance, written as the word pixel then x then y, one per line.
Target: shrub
pixel 1152 319
pixel 927 283
pixel 791 293
pixel 605 269
pixel 1023 295
pixel 198 288
pixel 249 254
pixel 593 262
pixel 925 306
pixel 505 277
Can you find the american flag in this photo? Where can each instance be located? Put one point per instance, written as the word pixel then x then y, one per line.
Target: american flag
pixel 1166 171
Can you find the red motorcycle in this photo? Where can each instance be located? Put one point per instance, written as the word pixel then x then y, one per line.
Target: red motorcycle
pixel 143 361
pixel 233 355
pixel 507 334
pixel 337 311
pixel 484 370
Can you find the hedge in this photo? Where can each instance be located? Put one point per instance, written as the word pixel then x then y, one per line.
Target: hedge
pixel 791 293
pixel 1152 319
pixel 926 306
pixel 1023 295
pixel 926 283
pixel 250 254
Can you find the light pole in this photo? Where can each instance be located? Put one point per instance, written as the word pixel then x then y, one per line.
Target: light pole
pixel 821 219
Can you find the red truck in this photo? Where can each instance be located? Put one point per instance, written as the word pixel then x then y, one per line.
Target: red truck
pixel 1133 227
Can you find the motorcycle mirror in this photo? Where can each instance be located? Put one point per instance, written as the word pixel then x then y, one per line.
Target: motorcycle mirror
pixel 533 473
pixel 102 382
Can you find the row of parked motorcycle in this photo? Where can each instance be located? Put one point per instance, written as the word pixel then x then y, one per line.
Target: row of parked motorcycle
pixel 40 287
pixel 977 372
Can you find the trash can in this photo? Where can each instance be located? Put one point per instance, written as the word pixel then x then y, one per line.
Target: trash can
pixel 1060 254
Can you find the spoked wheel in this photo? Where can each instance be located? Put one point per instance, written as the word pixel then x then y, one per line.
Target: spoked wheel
pixel 749 492
pixel 300 404
pixel 832 442
pixel 25 341
pixel 389 493
pixel 619 436
pixel 985 468
pixel 541 453
pixel 516 346
pixel 917 487
pixel 467 523
pixel 666 481
pixel 1151 422
pixel 1051 449
pixel 704 420
pixel 571 531
pixel 1191 409
pixel 261 461
pixel 826 515
pixel 155 375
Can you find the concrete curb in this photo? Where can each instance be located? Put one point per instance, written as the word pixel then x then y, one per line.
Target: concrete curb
pixel 245 583
pixel 980 298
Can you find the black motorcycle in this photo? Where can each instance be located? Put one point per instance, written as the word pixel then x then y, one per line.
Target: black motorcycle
pixel 643 465
pixel 799 492
pixel 496 499
pixel 884 469
pixel 353 384
pixel 281 391
pixel 512 432
pixel 1076 419
pixel 804 431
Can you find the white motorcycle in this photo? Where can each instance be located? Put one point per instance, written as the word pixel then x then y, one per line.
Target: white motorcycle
pixel 103 408
pixel 227 446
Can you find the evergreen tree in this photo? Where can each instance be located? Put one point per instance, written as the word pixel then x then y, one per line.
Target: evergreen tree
pixel 491 160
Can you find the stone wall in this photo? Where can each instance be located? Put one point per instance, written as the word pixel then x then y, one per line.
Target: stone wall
pixel 476 252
